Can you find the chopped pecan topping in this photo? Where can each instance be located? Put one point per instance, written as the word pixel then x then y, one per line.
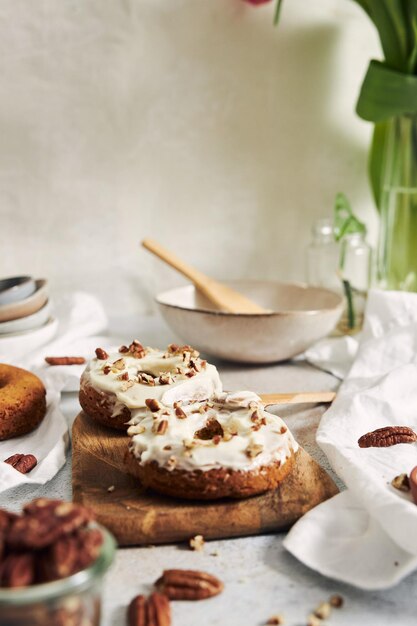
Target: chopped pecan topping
pixel 160 427
pixel 253 450
pixel 124 376
pixel 178 584
pixel 323 610
pixel 146 379
pixel 101 354
pixel 210 430
pixel 106 369
pixel 180 413
pixel 336 601
pixel 153 405
pixel 275 620
pixel 164 379
pixel 65 360
pixel 216 440
pixel 136 349
pixel 401 482
pixel 23 463
pixel 120 364
pixel 197 543
pixel 123 349
pixel 185 351
pixel 388 436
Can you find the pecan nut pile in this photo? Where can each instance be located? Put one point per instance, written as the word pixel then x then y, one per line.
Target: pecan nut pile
pixel 51 539
pixel 388 436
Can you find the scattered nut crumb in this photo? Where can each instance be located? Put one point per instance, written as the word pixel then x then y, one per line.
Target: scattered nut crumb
pixel 276 619
pixel 214 554
pixel 401 482
pixel 336 601
pixel 111 488
pixel 197 543
pixel 323 610
pixel 128 507
pixel 314 621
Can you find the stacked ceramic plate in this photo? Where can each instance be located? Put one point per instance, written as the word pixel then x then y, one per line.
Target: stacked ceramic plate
pixel 25 313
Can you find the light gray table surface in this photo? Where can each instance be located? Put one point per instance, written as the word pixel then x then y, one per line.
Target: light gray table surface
pixel 261 578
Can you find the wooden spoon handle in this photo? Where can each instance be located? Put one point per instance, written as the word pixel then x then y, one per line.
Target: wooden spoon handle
pixel 223 297
pixel 171 259
pixel 308 397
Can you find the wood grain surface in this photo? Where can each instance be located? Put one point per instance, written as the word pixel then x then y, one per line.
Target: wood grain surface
pixel 139 517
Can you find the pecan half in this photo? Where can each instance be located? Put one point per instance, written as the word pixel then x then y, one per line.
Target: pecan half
pixel 71 553
pixel 44 521
pixel 65 360
pixel 388 436
pixel 101 354
pixel 23 463
pixel 183 584
pixel 17 570
pixel 152 611
pixel 153 404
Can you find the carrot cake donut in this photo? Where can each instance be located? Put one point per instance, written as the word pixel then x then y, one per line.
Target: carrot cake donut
pixel 114 387
pixel 228 446
pixel 22 401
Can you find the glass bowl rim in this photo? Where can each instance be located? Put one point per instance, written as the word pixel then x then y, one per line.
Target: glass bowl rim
pixel 65 586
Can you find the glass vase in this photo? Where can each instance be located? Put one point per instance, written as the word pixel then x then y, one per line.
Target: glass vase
pixel 397 250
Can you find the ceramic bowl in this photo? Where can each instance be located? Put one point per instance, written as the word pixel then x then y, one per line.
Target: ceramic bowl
pixel 28 306
pixel 16 288
pixel 300 315
pixel 30 322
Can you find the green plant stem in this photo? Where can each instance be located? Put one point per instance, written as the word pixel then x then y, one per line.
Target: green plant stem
pixel 277 11
pixel 350 307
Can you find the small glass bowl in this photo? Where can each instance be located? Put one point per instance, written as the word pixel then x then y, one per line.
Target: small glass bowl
pixel 71 601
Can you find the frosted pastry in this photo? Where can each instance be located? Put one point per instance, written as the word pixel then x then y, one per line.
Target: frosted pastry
pixel 114 387
pixel 227 446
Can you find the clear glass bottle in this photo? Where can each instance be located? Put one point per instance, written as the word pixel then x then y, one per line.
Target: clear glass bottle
pixel 323 256
pixel 71 601
pixel 344 267
pixel 355 274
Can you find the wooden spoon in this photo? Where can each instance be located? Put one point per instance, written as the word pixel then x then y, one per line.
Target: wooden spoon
pixel 311 397
pixel 223 297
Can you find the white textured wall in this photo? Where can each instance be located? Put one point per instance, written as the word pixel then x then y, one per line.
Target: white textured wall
pixel 192 121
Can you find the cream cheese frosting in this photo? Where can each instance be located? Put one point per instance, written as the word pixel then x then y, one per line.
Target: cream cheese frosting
pixel 230 430
pixel 135 374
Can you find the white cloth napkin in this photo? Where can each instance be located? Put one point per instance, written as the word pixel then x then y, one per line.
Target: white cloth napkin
pixel 80 315
pixel 367 535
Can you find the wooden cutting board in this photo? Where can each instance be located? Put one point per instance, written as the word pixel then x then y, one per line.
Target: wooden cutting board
pixel 139 517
